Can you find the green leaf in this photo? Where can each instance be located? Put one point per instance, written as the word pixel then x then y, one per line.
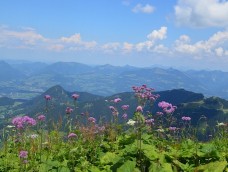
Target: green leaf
pixel 213 167
pixel 94 169
pixel 150 152
pixel 128 166
pixel 164 167
pixel 109 158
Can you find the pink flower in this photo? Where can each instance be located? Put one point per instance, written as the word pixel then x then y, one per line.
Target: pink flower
pixel 21 121
pixel 124 116
pixel 117 100
pixel 72 135
pixel 186 118
pixel 75 96
pixel 172 128
pixel 47 97
pixel 149 121
pixel 23 154
pixel 69 110
pixel 125 107
pixel 167 107
pixel 139 109
pixel 41 117
pixel 92 120
pixel 159 113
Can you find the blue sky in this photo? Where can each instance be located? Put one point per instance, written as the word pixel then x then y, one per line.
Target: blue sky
pixel 177 33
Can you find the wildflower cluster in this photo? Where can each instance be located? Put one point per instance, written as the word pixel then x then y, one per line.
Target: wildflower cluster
pixel 20 122
pixel 144 94
pixel 167 107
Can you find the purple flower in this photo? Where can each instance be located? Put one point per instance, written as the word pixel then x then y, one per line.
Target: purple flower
pixel 117 100
pixel 139 109
pixel 172 128
pixel 47 97
pixel 92 120
pixel 149 121
pixel 20 122
pixel 114 111
pixel 41 117
pixel 69 110
pixel 72 135
pixel 101 129
pixel 75 96
pixel 186 118
pixel 125 107
pixel 167 107
pixel 124 116
pixel 159 113
pixel 28 120
pixel 112 108
pixel 23 154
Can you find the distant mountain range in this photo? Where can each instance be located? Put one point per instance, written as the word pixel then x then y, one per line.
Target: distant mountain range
pixel 29 79
pixel 189 103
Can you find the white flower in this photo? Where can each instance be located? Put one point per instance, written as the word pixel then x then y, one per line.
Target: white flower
pixel 33 136
pixel 221 124
pixel 10 126
pixel 131 122
pixel 160 130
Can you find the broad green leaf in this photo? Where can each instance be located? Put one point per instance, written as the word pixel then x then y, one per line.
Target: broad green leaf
pixel 150 152
pixel 184 167
pixel 213 167
pixel 157 167
pixel 128 166
pixel 94 169
pixel 109 158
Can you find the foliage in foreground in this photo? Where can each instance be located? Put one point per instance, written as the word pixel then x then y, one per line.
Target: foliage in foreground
pixel 157 142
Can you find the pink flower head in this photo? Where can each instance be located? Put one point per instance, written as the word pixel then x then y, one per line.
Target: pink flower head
pixel 72 135
pixel 149 121
pixel 164 104
pixel 186 118
pixel 117 100
pixel 124 116
pixel 41 117
pixel 125 107
pixel 172 128
pixel 112 108
pixel 167 107
pixel 159 113
pixel 69 110
pixel 23 154
pixel 20 121
pixel 75 96
pixel 139 109
pixel 114 111
pixel 47 97
pixel 92 120
pixel 28 120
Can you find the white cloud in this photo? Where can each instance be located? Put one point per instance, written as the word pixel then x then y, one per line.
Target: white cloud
pixel 28 38
pixel 127 47
pixel 160 49
pixel 24 38
pixel 158 34
pixel 110 47
pixel 202 13
pixel 139 8
pixel 76 38
pixel 215 45
pixel 219 51
pixel 154 36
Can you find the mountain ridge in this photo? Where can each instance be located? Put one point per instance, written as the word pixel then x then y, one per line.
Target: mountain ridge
pixel 107 80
